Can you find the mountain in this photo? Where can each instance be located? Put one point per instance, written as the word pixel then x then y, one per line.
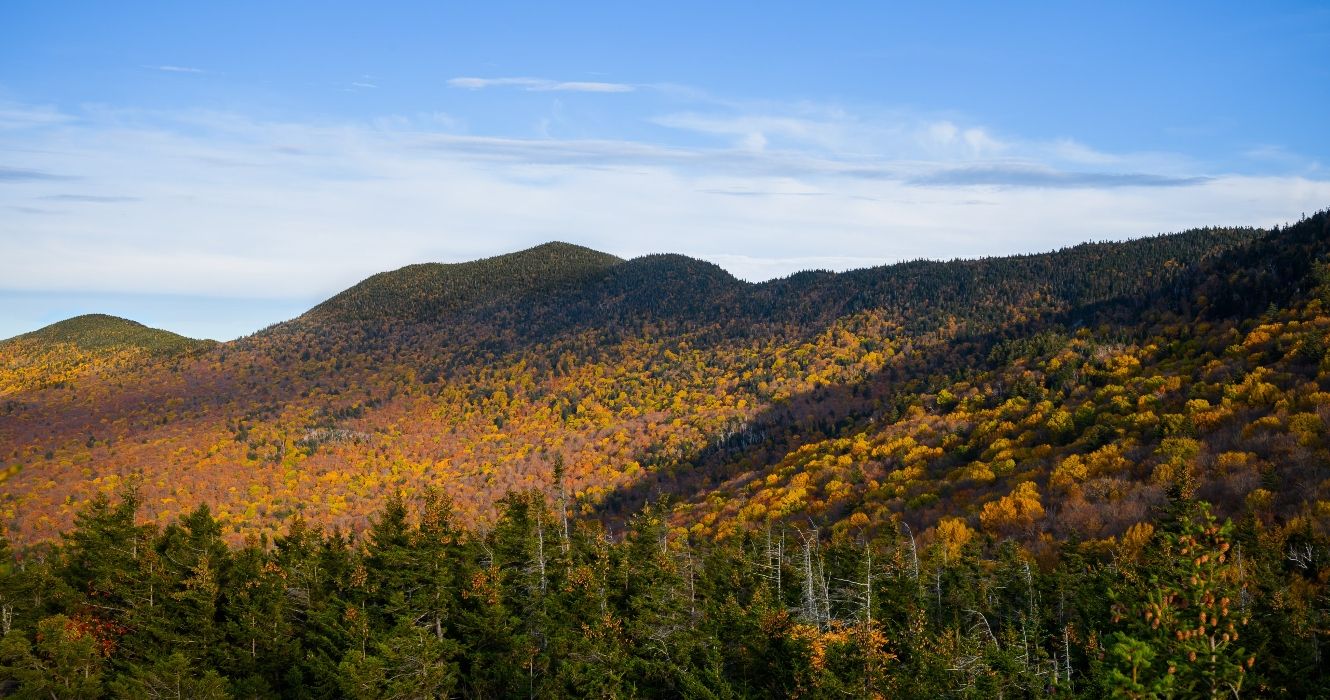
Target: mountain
pixel 1107 375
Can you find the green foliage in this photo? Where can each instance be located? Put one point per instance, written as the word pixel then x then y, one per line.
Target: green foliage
pixel 1135 671
pixel 422 608
pixel 170 677
pixel 1187 611
pixel 409 662
pixel 66 661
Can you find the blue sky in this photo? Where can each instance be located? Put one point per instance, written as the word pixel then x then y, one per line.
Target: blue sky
pixel 216 167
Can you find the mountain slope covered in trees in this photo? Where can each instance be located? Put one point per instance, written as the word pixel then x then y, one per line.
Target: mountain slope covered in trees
pixel 474 376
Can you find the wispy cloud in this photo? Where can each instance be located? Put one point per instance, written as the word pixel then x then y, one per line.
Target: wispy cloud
pixel 8 174
pixel 88 198
pixel 176 69
pixel 754 132
pixel 762 193
pixel 15 116
pixel 540 85
pixel 584 86
pixel 896 135
pixel 1036 176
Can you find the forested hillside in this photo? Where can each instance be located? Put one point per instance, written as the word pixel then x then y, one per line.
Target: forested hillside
pixel 474 376
pixel 1100 470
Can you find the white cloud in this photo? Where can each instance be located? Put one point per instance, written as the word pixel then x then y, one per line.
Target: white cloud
pixel 749 129
pixel 18 116
pixel 1073 151
pixel 754 141
pixel 480 83
pixel 178 69
pixel 981 143
pixel 583 86
pixel 540 85
pixel 890 134
pixel 944 132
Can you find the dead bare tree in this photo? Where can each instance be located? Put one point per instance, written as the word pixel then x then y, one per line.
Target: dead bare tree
pixel 561 484
pixel 816 607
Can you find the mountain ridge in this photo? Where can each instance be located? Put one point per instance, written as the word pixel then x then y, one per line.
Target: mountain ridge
pixel 422 292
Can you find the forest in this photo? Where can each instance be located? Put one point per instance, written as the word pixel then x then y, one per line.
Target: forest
pixel 542 603
pixel 1098 471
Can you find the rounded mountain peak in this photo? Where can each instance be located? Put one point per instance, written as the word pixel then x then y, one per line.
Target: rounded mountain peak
pixel 103 331
pixel 427 290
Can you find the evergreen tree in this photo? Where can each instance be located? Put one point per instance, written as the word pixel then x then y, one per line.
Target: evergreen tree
pixel 68 660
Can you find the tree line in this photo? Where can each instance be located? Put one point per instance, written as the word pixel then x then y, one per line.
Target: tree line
pixel 545 604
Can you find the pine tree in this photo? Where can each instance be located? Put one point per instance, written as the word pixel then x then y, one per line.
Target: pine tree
pixel 68 660
pixel 195 559
pixel 170 678
pixel 259 637
pixel 1183 625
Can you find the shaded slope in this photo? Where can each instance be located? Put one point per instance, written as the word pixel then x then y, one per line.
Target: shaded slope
pixel 1214 386
pixel 507 302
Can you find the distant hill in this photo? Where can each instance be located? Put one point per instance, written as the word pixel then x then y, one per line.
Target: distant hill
pixel 64 351
pixel 102 332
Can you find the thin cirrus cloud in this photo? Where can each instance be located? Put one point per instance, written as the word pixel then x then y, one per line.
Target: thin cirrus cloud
pixel 834 130
pixel 8 174
pixel 26 117
pixel 176 69
pixel 1036 176
pixel 540 85
pixel 88 198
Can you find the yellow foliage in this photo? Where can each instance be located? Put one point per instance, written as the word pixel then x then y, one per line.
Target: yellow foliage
pixel 1071 471
pixel 1015 512
pixel 1134 541
pixel 1229 461
pixel 952 536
